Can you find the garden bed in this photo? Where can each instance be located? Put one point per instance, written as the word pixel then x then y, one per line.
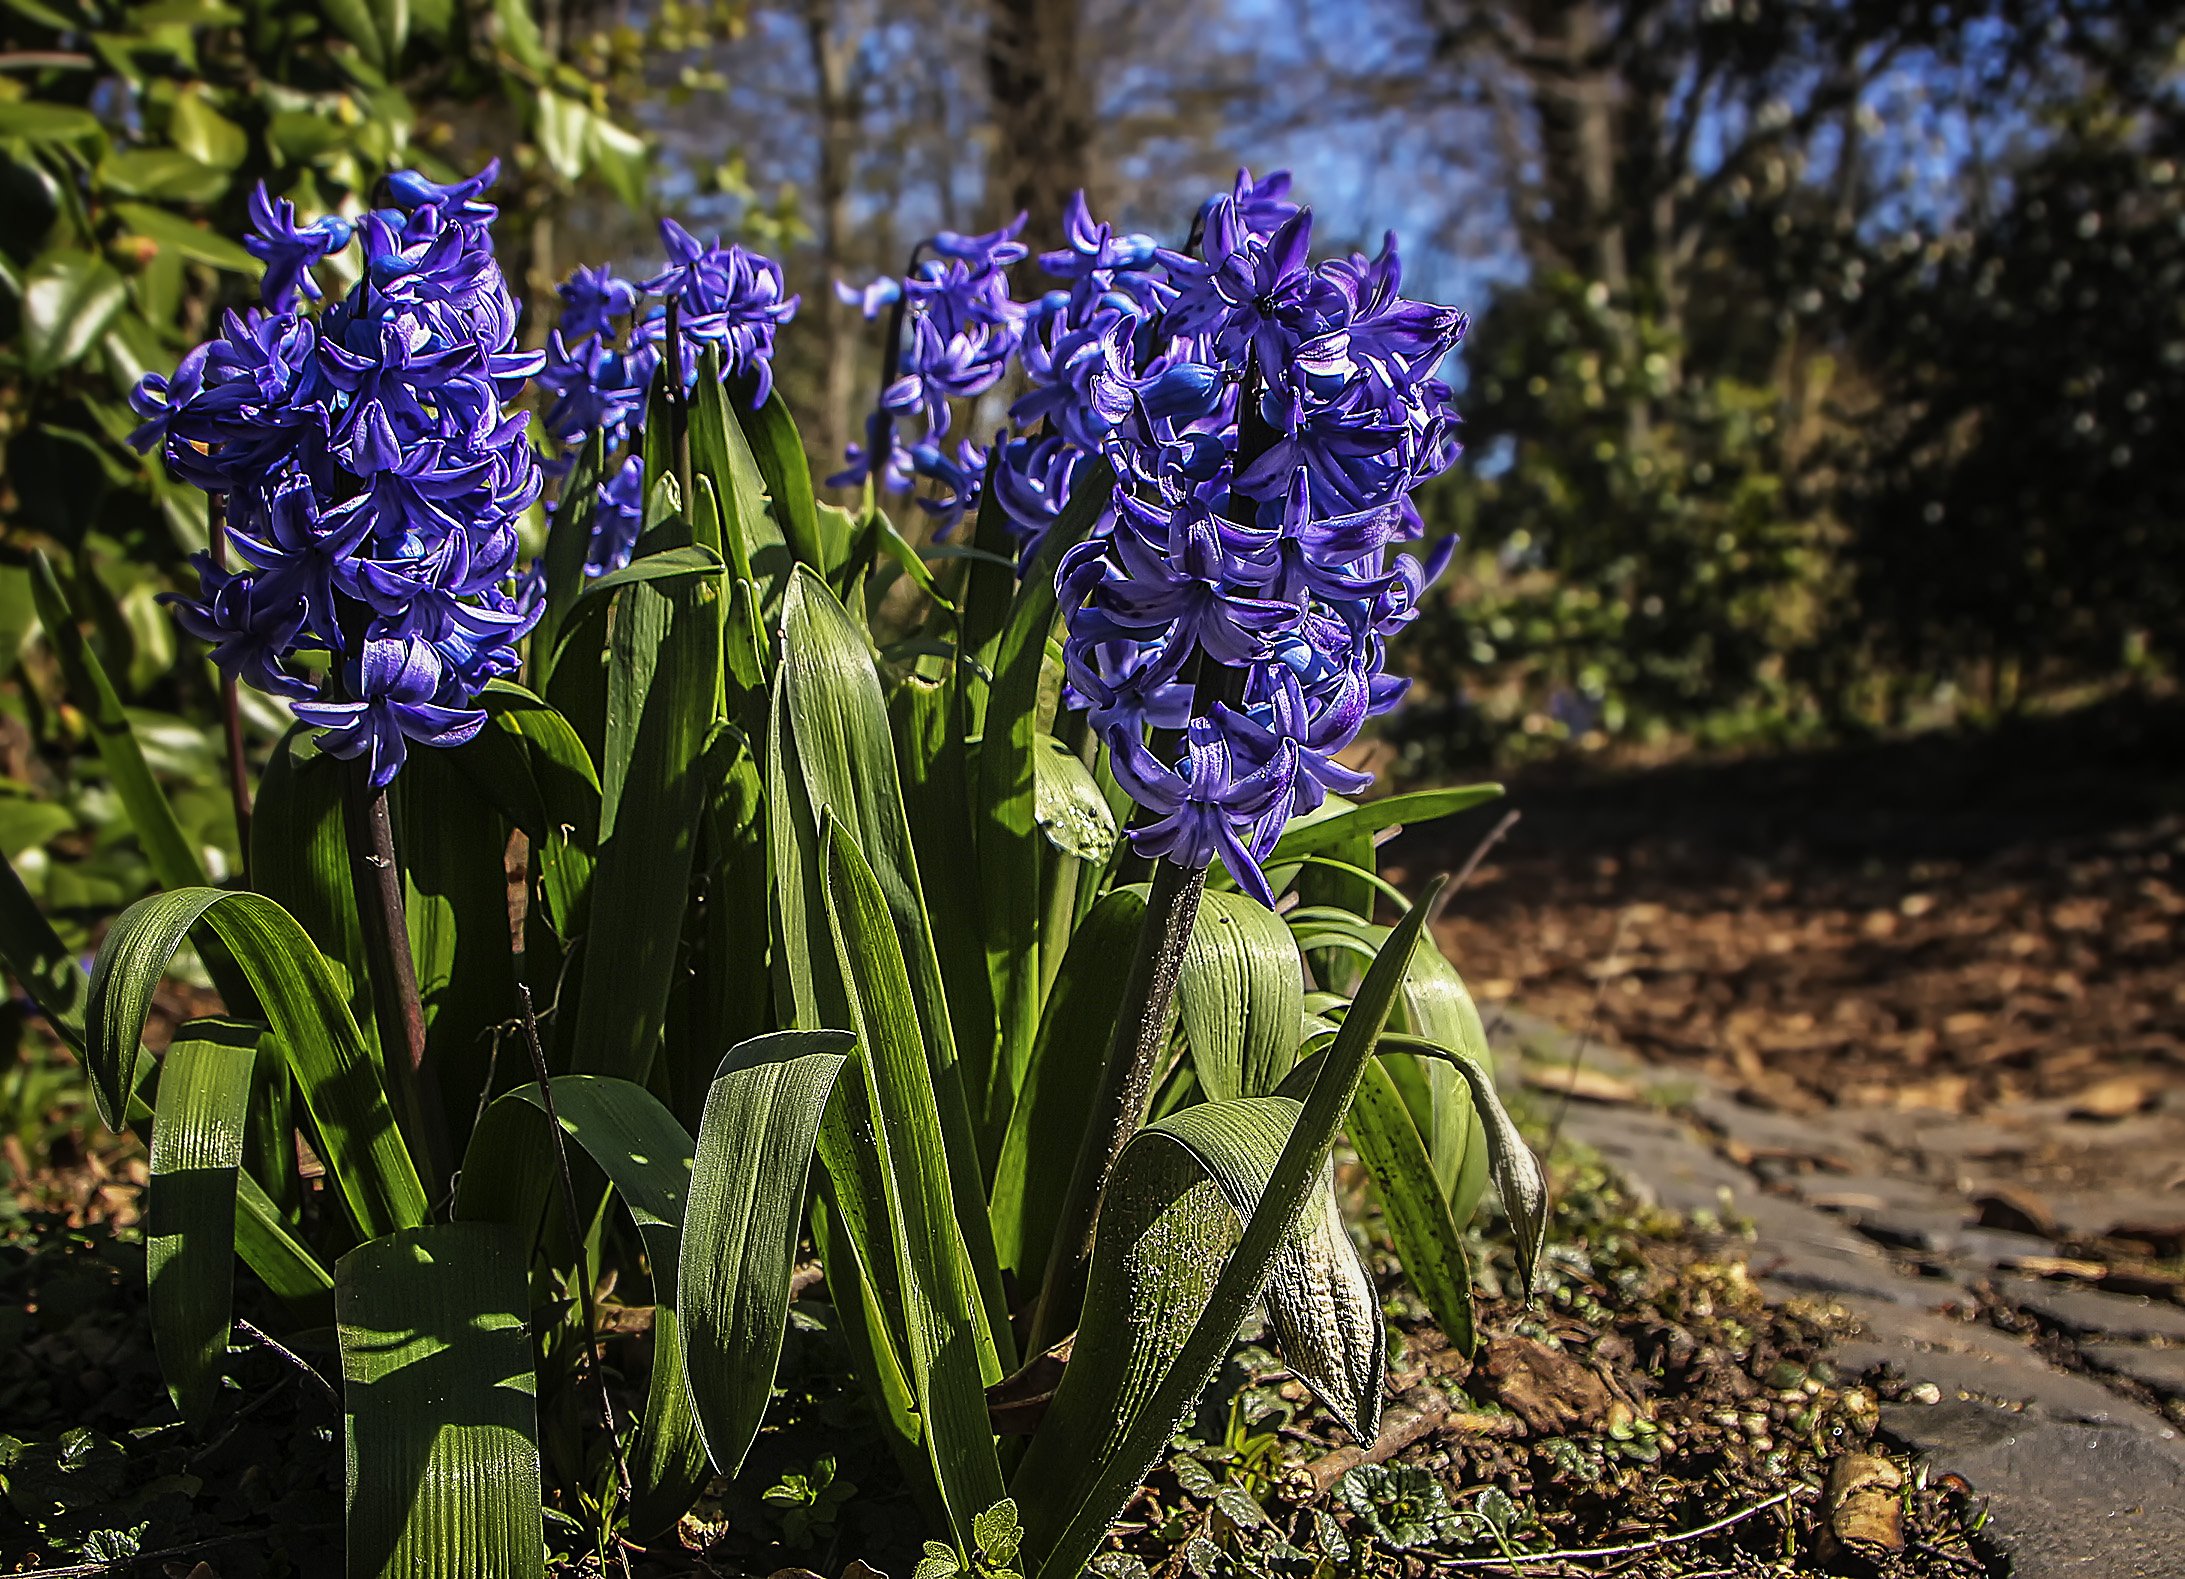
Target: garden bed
pixel 1649 1414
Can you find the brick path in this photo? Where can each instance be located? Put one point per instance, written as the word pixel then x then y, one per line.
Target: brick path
pixel 2057 1384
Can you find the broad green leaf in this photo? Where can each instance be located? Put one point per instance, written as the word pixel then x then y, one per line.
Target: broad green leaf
pixel 175 863
pixel 837 728
pixel 1517 1175
pixel 35 956
pixel 1316 837
pixel 568 547
pixel 1429 1239
pixel 662 679
pixel 1434 1005
pixel 1067 803
pixel 355 21
pixel 299 859
pixel 937 801
pixel 1048 1120
pixel 778 451
pixel 1112 1417
pixel 440 1423
pixel 754 543
pixel 282 1261
pixel 530 765
pixel 668 570
pixel 744 1220
pixel 393 17
pixel 189 1210
pixel 990 582
pixel 1241 996
pixel 1006 826
pixel 68 298
pixel 35 121
pixel 185 237
pixel 724 996
pixel 353 1125
pixel 519 34
pixel 951 1351
pixel 165 175
pixel 453 844
pixel 205 134
pixel 508 1177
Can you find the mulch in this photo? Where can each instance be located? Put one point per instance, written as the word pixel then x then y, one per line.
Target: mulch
pixel 1952 923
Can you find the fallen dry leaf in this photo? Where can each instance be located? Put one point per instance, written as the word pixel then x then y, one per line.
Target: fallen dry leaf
pixel 1586 1085
pixel 2120 1096
pixel 1550 1390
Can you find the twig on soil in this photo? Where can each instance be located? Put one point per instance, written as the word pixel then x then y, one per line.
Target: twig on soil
pixel 1585 1038
pixel 1426 1414
pixel 1492 838
pixel 119 1565
pixel 1630 1549
pixel 310 1371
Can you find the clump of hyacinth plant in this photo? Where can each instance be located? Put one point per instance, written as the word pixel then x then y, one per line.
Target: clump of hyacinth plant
pixel 808 883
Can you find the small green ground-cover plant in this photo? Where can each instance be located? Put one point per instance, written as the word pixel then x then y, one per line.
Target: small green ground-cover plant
pixel 823 853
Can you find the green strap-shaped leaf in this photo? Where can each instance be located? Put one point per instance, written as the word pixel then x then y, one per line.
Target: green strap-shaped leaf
pixel 508 1177
pixel 1517 1175
pixel 190 1220
pixel 951 1351
pixel 283 1262
pixel 1048 1120
pixel 299 859
pixel 353 1125
pixel 1429 1239
pixel 453 842
pixel 937 800
pixel 1241 996
pixel 724 995
pixel 1112 1417
pixel 778 449
pixel 1007 824
pixel 741 1230
pixel 832 717
pixel 753 539
pixel 1316 836
pixel 1435 1005
pixel 440 1420
pixel 174 860
pixel 530 764
pixel 1067 803
pixel 35 956
pixel 662 681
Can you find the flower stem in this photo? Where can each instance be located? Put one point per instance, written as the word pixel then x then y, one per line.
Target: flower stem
pixel 679 403
pixel 395 1004
pixel 1141 1028
pixel 231 707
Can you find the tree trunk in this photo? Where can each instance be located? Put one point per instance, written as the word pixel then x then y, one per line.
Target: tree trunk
pixel 1042 110
pixel 833 49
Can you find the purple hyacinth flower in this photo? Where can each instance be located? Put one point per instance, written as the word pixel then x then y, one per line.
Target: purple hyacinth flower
pixel 288 250
pixel 396 681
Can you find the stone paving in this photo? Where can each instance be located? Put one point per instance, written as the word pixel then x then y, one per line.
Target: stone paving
pixel 2057 1384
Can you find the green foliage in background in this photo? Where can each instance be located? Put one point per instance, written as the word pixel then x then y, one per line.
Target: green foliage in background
pixel 131 133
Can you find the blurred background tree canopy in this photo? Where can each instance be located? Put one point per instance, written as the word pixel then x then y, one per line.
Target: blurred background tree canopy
pixel 1827 353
